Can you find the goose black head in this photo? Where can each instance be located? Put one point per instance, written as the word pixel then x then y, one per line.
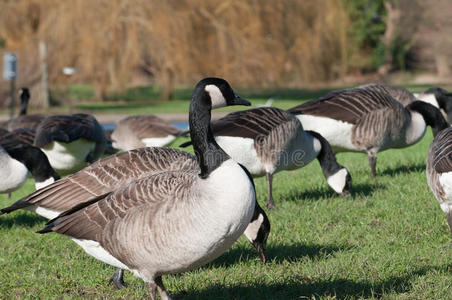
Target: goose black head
pixel 218 93
pixel 258 230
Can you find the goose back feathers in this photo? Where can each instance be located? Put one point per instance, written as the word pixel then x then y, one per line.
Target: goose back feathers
pixel 70 141
pixel 143 131
pixel 400 94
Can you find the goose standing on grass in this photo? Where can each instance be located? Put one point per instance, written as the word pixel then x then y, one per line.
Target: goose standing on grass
pixel 174 221
pixel 24 120
pixel 439 172
pixel 109 174
pixel 18 160
pixel 143 131
pixel 369 121
pixel 70 141
pixel 267 140
pixel 437 97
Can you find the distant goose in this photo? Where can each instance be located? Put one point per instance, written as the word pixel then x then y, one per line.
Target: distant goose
pixel 24 120
pixel 267 140
pixel 439 171
pixel 143 131
pixel 174 221
pixel 109 174
pixel 18 160
pixel 437 97
pixel 368 121
pixel 70 141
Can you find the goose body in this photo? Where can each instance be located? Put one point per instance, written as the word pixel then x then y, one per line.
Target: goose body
pixel 366 120
pixel 18 160
pixel 439 172
pixel 70 141
pixel 267 140
pixel 143 131
pixel 171 221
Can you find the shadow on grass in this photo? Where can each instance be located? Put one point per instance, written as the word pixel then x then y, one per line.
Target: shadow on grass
pixel 361 189
pixel 21 219
pixel 277 254
pixel 300 287
pixel 420 167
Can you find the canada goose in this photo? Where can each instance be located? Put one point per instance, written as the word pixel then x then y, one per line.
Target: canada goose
pixel 435 96
pixel 175 221
pixel 107 175
pixel 24 120
pixel 368 121
pixel 18 160
pixel 143 131
pixel 267 140
pixel 70 141
pixel 439 171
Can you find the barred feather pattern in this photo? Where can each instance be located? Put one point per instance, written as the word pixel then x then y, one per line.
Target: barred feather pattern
pixel 379 121
pixel 398 93
pixel 271 128
pixel 130 131
pixel 109 174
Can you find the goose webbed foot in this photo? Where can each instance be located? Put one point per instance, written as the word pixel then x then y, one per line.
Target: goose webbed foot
pixel 118 279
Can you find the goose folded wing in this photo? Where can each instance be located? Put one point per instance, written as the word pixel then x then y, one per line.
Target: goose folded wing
pixel 159 191
pixel 347 105
pixel 249 123
pixel 149 126
pixel 442 152
pixel 66 129
pixel 105 176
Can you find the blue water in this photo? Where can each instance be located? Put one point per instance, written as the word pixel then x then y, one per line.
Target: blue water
pixel 179 125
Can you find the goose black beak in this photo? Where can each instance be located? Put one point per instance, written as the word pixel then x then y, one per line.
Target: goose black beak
pixel 240 101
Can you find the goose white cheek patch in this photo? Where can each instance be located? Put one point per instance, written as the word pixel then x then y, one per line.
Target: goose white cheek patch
pixel 337 180
pixel 216 96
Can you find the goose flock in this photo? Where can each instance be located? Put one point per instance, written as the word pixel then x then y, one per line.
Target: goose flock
pixel 154 210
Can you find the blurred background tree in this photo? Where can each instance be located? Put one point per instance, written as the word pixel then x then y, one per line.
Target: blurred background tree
pixel 117 44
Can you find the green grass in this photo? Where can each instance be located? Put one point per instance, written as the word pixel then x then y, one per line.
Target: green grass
pixel 388 241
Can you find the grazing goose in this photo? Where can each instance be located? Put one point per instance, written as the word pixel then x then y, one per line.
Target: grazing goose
pixel 70 141
pixel 143 131
pixel 267 140
pixel 24 120
pixel 18 160
pixel 439 171
pixel 174 221
pixel 107 175
pixel 368 121
pixel 435 96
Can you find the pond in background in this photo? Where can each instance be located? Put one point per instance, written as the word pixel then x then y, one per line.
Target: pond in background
pixel 112 126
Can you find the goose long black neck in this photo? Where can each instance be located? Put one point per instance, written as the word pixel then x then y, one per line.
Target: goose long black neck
pixel 326 157
pixel 209 154
pixel 24 98
pixel 432 115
